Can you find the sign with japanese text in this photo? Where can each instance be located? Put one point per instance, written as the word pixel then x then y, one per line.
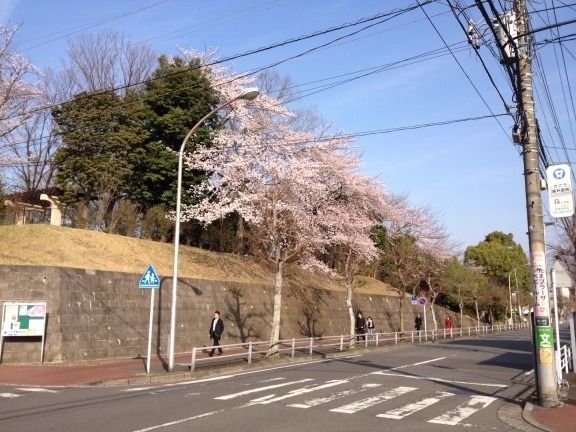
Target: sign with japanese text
pixel 23 319
pixel 544 337
pixel 559 179
pixel 540 284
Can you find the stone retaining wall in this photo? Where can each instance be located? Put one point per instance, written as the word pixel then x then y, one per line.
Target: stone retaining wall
pixel 100 315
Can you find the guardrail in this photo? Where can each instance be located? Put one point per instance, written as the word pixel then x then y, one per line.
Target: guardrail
pixel 565 358
pixel 250 351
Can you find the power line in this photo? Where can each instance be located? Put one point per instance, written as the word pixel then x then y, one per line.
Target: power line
pixel 379 18
pixel 462 69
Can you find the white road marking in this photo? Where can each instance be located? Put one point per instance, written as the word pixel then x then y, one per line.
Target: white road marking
pixel 137 389
pixel 9 395
pixel 455 416
pixel 374 400
pixel 406 410
pixel 334 396
pixel 175 422
pixel 272 379
pixel 37 390
pixel 441 380
pixel 302 391
pixel 417 364
pixel 259 389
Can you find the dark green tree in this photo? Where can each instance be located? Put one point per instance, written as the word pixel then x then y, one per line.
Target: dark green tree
pixel 102 135
pixel 177 97
pixel 501 259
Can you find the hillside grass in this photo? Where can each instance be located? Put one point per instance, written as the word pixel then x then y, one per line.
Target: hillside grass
pixel 47 245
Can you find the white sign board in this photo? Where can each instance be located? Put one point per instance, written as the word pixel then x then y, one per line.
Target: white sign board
pixel 23 319
pixel 559 179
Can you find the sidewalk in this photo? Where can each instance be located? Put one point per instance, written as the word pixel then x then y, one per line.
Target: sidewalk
pixel 123 371
pixel 560 419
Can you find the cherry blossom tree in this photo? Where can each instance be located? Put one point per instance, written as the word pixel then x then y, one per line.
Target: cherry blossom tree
pixel 18 90
pixel 286 184
pixel 409 243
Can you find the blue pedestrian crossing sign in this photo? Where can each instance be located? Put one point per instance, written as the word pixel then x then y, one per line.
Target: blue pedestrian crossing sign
pixel 149 279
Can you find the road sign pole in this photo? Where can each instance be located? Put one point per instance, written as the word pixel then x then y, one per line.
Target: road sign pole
pixel 150 331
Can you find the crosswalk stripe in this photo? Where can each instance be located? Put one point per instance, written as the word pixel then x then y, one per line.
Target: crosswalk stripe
pixel 301 391
pixel 259 389
pixel 344 393
pixel 37 390
pixel 9 395
pixel 406 410
pixel 455 416
pixel 374 400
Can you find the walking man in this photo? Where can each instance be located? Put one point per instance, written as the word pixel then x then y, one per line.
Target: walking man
pixel 216 330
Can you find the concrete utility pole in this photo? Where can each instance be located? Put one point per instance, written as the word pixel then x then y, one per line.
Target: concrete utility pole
pixel 547 386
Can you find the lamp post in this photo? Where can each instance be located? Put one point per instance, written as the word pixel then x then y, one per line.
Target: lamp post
pixel 247 94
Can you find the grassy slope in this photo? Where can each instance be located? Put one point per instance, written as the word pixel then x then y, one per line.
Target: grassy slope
pixel 68 247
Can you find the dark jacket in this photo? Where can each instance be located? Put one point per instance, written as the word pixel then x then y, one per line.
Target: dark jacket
pixel 219 328
pixel 418 323
pixel 360 325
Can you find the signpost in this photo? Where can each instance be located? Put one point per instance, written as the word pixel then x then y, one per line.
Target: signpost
pixel 150 280
pixel 23 319
pixel 560 199
pixel 423 301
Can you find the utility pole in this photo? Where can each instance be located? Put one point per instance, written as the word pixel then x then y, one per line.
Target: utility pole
pixel 544 339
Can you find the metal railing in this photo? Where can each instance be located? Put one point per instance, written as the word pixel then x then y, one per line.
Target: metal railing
pixel 247 352
pixel 565 358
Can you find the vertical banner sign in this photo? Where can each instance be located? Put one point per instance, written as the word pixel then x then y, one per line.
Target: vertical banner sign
pixel 559 179
pixel 544 334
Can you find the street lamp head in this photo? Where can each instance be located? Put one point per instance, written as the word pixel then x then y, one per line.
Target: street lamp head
pixel 249 93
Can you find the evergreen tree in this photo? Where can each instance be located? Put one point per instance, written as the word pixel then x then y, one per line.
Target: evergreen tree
pixel 177 97
pixel 101 135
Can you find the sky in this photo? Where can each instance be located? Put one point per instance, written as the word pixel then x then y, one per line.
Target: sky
pixel 469 173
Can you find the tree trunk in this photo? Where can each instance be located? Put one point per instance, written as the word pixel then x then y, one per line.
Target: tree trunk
pixel 433 309
pixel 350 311
pixel 348 283
pixel 401 310
pixel 275 332
pixel 477 313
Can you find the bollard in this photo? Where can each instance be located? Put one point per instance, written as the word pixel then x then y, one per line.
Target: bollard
pixel 250 352
pixel 293 346
pixel 341 342
pixel 193 359
pixel 311 346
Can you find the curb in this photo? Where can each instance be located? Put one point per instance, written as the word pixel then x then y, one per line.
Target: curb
pixel 527 416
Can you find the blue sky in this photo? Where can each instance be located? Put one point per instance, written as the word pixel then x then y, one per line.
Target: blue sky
pixel 469 173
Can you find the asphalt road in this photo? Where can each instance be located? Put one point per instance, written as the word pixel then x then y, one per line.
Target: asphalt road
pixel 445 386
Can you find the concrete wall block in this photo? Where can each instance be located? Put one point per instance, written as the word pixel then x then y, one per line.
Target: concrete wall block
pixel 90 311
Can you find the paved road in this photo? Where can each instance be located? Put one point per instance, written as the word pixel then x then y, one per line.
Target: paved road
pixel 452 386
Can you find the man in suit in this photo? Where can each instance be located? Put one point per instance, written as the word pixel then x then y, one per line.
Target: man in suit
pixel 216 330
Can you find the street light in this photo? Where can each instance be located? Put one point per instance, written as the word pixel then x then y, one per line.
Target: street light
pixel 250 93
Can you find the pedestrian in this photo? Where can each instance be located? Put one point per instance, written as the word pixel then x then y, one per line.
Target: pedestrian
pixel 216 330
pixel 418 322
pixel 448 324
pixel 360 326
pixel 370 327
